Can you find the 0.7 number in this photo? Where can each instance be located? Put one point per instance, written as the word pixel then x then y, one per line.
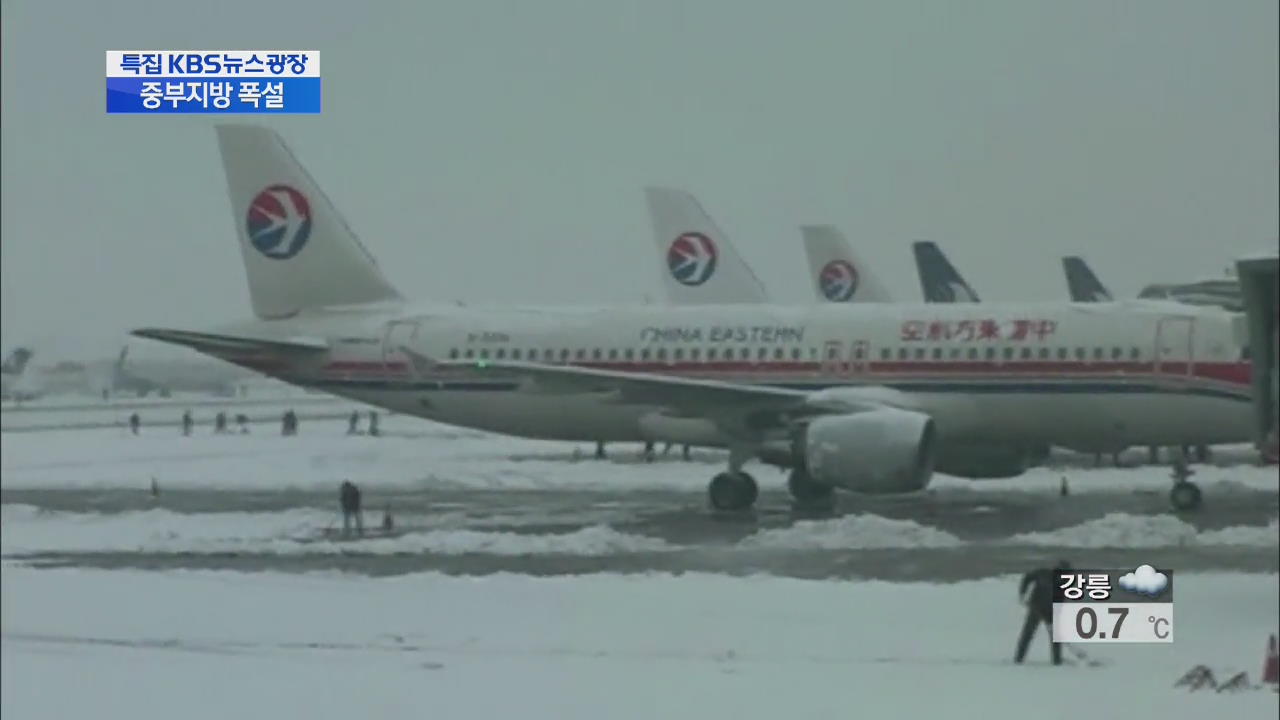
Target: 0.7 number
pixel 1120 612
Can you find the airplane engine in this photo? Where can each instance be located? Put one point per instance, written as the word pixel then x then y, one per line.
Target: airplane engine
pixel 879 451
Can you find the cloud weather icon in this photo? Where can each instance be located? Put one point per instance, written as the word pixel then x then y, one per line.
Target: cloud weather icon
pixel 1145 580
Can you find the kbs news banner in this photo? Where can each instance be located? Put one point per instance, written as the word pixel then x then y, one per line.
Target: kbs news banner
pixel 229 82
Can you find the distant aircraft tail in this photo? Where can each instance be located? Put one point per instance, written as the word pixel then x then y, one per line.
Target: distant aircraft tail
pixel 17 361
pixel 700 266
pixel 1083 285
pixel 838 274
pixel 939 280
pixel 298 251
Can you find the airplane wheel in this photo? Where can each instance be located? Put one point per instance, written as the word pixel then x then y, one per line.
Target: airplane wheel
pixel 733 491
pixel 805 491
pixel 1185 496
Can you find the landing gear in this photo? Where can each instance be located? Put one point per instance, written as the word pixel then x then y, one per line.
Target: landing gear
pixel 1185 495
pixel 733 491
pixel 1202 454
pixel 807 492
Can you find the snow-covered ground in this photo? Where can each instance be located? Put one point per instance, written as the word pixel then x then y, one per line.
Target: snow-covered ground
pixel 417 453
pixel 193 645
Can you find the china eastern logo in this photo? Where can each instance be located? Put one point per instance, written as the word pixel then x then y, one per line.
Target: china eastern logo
pixel 691 259
pixel 838 280
pixel 279 222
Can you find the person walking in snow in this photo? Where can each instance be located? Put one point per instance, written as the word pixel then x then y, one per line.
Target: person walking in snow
pixel 1039 602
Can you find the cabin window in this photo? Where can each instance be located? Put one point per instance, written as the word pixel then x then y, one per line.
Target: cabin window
pixel 596 354
pixel 1008 353
pixel 919 353
pixel 564 355
pixel 630 353
pixel 1026 353
pixel 902 353
pixel 533 354
pixel 885 353
pixel 661 354
pixel 678 353
pixel 779 353
pixel 991 353
pixel 1080 353
pixel 484 353
pixel 762 353
pixel 711 353
pixel 581 354
pixel 1062 353
pixel 1117 353
pixel 613 353
pixel 468 354
pixel 548 355
pixel 500 353
pixel 453 354
pixel 973 353
pixel 832 352
pixel 795 353
pixel 644 354
pixel 954 354
pixel 744 353
pixel 859 352
pixel 813 353
pixel 937 353
pixel 1135 354
pixel 1044 353
pixel 1098 353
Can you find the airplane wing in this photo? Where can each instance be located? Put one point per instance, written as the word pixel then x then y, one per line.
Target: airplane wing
pixel 219 345
pixel 736 407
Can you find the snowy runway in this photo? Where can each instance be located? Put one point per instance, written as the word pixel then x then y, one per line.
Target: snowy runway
pixel 213 645
pixel 524 579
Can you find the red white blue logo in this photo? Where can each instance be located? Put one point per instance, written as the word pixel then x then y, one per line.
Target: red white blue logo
pixel 692 259
pixel 279 222
pixel 838 280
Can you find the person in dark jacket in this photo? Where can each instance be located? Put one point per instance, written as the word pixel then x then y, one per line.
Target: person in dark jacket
pixel 353 423
pixel 349 497
pixel 187 423
pixel 135 423
pixel 1039 610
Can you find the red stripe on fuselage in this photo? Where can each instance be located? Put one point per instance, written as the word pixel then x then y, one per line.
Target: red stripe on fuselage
pixel 1229 373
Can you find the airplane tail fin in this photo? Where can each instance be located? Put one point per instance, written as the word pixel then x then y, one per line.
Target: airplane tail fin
pixel 838 274
pixel 17 361
pixel 699 264
pixel 1083 285
pixel 298 251
pixel 939 280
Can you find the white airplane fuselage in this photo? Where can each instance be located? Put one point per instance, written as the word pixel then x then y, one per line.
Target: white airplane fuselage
pixel 1091 376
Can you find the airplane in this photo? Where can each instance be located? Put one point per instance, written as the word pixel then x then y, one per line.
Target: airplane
pixel 699 263
pixel 164 378
pixel 16 385
pixel 869 398
pixel 1224 293
pixel 940 282
pixel 838 274
pixel 1082 284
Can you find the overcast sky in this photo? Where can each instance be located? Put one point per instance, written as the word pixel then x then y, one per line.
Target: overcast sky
pixel 496 151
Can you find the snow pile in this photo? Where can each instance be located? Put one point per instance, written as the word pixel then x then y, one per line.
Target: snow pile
pixel 1122 530
pixel 852 532
pixel 28 530
pixel 1268 536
